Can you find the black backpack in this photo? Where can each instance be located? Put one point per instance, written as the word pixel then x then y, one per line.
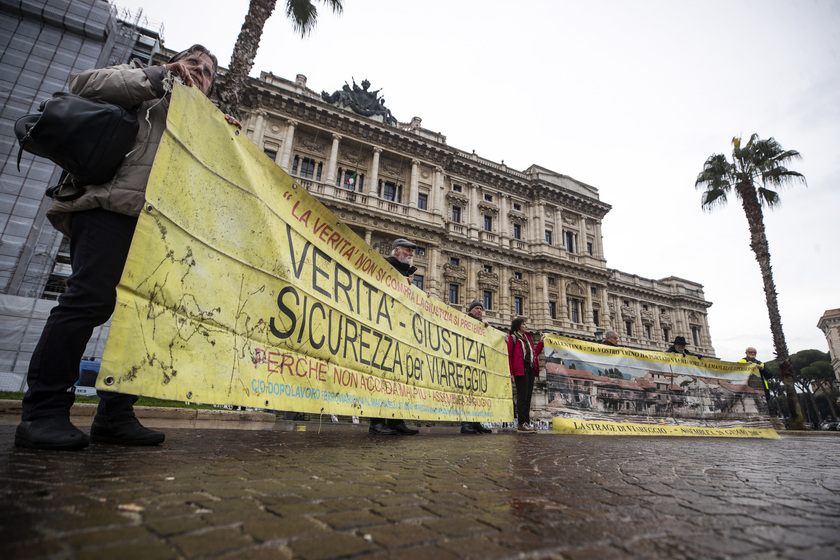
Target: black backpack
pixel 87 138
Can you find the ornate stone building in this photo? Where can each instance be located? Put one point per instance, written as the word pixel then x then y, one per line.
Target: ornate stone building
pixel 829 324
pixel 523 242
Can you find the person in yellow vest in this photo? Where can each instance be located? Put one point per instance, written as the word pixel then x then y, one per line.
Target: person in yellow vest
pixel 750 358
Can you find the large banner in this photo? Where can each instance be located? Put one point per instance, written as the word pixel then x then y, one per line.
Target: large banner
pixel 597 380
pixel 241 288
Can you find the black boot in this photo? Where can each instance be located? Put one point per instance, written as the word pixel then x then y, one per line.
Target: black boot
pixel 51 432
pixel 468 428
pixel 380 428
pixel 125 431
pixel 400 427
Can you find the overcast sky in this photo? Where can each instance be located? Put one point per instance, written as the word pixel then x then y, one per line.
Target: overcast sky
pixel 629 97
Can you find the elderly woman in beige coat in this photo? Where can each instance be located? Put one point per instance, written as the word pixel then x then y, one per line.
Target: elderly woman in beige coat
pixel 100 225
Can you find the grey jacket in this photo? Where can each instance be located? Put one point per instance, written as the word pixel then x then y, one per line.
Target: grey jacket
pixel 126 85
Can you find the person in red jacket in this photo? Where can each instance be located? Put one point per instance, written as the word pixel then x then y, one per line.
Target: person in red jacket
pixel 524 362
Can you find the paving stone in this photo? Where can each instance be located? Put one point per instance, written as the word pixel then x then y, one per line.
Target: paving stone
pixel 213 540
pixel 403 513
pixel 175 525
pixel 334 545
pixel 137 550
pixel 272 529
pixel 398 535
pixel 352 519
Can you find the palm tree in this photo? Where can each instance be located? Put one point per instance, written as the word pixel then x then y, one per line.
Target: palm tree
pixel 304 16
pixel 756 166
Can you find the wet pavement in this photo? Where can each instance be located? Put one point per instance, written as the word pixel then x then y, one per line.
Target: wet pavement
pixel 280 493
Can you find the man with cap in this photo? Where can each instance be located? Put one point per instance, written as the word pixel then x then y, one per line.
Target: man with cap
pixel 750 358
pixel 679 348
pixel 402 256
pixel 476 311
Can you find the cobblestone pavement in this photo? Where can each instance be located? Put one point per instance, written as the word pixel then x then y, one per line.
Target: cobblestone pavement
pixel 286 494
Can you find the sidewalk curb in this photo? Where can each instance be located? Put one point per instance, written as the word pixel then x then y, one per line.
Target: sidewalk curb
pixel 82 414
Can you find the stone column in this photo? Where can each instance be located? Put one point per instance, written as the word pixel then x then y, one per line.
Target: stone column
pixel 639 326
pixel 259 128
pixel 680 324
pixel 374 172
pixel 413 183
pixel 368 236
pixel 587 318
pixel 541 211
pixel 331 164
pixel 535 236
pixel 504 225
pixel 436 203
pixel 473 218
pixel 472 288
pixel 505 311
pixel 288 144
pixel 599 240
pixel 605 309
pixel 546 316
pixel 434 275
pixel 564 306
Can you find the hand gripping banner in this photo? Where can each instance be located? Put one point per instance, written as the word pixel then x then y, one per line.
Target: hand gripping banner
pixel 241 288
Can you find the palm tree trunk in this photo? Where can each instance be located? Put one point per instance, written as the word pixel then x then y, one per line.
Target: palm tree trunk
pixel 759 246
pixel 815 407
pixel 244 53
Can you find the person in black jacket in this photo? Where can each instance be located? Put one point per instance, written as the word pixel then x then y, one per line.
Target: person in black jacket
pixel 100 225
pixel 679 348
pixel 402 256
pixel 476 311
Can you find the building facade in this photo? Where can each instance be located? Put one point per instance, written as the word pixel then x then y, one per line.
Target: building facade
pixel 829 324
pixel 524 243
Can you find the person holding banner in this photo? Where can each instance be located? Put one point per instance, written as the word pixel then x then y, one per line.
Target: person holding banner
pixel 611 338
pixel 476 311
pixel 402 257
pixel 679 348
pixel 524 361
pixel 751 359
pixel 100 225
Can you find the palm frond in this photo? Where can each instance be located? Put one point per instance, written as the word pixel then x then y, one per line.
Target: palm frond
pixel 768 198
pixel 712 198
pixel 335 5
pixel 782 177
pixel 303 14
pixel 716 180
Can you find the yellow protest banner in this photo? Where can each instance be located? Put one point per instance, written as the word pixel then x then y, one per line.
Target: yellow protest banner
pixel 241 288
pixel 595 389
pixel 601 428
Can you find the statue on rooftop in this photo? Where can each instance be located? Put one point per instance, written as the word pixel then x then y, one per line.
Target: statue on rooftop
pixel 361 101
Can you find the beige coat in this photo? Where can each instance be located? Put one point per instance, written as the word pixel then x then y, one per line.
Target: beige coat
pixel 126 85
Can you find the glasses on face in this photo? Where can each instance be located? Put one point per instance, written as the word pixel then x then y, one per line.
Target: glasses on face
pixel 193 60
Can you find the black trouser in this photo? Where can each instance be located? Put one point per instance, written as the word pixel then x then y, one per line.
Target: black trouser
pixel 524 388
pixel 99 243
